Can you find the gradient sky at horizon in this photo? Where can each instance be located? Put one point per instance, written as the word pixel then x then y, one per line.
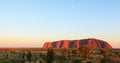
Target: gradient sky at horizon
pixel 30 23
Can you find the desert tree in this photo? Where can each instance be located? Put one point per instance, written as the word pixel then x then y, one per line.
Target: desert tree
pixel 50 55
pixel 103 52
pixel 23 57
pixel 85 50
pixel 64 51
pixel 29 56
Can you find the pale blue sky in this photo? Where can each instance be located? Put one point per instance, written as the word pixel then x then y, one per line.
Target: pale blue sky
pixel 32 22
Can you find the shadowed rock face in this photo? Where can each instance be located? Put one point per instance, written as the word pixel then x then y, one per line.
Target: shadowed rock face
pixel 93 43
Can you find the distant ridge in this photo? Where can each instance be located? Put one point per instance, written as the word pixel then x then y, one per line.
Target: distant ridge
pixel 91 42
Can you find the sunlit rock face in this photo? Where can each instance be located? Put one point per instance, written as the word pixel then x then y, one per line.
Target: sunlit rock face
pixel 91 42
pixel 47 44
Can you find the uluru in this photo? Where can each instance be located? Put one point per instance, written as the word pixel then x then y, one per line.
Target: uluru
pixel 91 42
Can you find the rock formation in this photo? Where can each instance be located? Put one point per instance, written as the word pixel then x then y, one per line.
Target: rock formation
pixel 93 43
